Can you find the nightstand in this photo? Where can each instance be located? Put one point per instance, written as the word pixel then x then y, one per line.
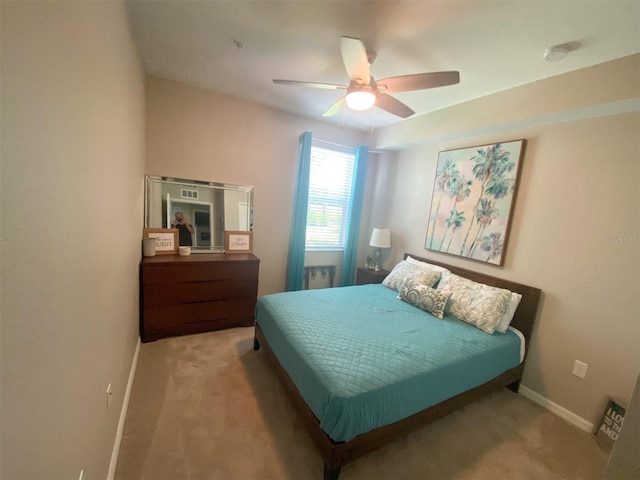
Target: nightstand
pixel 366 275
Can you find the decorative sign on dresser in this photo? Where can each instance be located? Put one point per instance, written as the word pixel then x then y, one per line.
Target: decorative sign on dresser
pixel 197 293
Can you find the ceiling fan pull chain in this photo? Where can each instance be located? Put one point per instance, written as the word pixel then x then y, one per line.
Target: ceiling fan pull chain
pixel 373 119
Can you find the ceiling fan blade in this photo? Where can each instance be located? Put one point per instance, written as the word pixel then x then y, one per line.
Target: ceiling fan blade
pixel 391 105
pixel 354 56
pixel 418 81
pixel 327 86
pixel 335 108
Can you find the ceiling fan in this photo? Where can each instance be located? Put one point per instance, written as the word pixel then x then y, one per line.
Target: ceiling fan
pixel 364 91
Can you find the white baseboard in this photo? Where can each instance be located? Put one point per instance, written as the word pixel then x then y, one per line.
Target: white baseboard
pixel 123 415
pixel 556 409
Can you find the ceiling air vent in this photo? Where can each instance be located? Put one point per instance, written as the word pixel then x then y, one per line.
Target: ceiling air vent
pixel 191 194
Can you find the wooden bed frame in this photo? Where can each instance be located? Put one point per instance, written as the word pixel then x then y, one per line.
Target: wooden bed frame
pixel 337 454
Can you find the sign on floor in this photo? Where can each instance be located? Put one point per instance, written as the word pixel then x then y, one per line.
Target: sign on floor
pixel 610 424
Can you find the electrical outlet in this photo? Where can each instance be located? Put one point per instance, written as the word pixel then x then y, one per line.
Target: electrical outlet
pixel 580 369
pixel 109 396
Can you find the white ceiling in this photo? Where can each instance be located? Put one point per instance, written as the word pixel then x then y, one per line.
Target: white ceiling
pixel 237 47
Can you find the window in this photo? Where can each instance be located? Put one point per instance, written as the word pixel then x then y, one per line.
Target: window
pixel 330 178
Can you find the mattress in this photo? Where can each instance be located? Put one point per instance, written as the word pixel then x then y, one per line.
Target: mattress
pixel 361 358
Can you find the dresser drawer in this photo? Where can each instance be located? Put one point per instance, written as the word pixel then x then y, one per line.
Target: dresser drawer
pixel 195 292
pixel 199 312
pixel 197 272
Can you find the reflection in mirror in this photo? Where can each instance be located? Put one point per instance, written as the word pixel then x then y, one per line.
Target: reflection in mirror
pixel 201 211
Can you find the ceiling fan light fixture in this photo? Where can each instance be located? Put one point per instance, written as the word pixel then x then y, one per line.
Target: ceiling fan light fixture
pixel 360 99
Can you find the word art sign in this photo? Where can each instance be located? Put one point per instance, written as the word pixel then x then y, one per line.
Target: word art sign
pixel 166 239
pixel 610 424
pixel 238 242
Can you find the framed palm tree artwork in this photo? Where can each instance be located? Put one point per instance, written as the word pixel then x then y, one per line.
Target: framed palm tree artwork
pixel 473 199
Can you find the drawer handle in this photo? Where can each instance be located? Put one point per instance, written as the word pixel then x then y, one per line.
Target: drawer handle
pixel 207 320
pixel 207 281
pixel 205 301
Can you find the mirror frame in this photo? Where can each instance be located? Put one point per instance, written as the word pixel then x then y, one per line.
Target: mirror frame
pixel 150 180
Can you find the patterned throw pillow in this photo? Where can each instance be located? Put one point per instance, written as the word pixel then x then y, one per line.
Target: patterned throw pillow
pixel 475 303
pixel 424 297
pixel 404 270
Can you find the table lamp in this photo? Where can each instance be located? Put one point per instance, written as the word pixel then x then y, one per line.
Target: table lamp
pixel 380 238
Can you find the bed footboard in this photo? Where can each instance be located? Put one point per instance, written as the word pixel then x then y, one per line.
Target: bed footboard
pixel 337 454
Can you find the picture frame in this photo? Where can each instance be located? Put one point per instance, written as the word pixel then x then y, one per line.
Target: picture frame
pixel 473 200
pixel 238 241
pixel 167 239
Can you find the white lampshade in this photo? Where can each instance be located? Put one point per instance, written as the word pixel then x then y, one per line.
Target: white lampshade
pixel 380 238
pixel 360 99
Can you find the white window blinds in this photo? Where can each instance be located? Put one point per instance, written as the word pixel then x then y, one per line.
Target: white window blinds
pixel 330 181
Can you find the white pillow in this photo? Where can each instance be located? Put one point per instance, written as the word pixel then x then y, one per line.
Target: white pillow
pixel 506 318
pixel 404 270
pixel 475 303
pixel 430 266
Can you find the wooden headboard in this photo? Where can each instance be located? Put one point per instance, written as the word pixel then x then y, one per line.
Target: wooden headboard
pixel 527 309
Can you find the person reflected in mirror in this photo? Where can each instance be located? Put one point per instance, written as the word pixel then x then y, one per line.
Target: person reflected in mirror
pixel 185 230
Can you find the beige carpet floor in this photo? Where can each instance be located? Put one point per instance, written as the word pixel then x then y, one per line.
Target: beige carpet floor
pixel 209 407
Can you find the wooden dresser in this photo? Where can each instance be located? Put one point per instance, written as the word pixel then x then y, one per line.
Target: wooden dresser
pixel 196 293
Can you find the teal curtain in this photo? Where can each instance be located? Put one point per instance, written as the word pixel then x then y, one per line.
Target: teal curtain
pixel 349 260
pixel 295 263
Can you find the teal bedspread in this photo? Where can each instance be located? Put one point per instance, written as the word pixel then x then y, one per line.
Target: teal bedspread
pixel 362 358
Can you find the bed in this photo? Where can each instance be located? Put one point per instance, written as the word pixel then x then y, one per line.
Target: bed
pixel 363 367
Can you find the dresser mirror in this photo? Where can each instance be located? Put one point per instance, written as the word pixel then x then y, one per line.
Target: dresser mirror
pixel 209 209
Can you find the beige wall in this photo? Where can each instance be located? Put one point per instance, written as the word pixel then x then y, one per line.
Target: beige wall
pixel 602 89
pixel 579 192
pixel 203 135
pixel 72 196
